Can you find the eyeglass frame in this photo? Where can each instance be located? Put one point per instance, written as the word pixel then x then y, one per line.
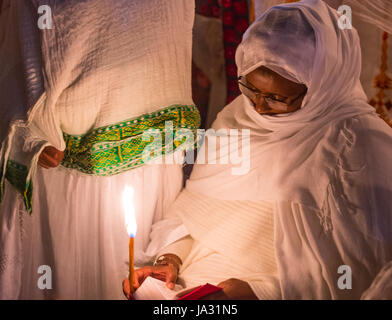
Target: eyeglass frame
pixel 258 93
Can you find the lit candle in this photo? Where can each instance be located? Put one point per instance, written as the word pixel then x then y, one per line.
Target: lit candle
pixel 130 222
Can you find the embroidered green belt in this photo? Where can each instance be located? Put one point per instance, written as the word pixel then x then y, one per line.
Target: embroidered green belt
pixel 120 147
pixel 17 174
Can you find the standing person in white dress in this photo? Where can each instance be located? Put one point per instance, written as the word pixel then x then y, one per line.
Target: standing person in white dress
pixel 312 218
pixel 75 98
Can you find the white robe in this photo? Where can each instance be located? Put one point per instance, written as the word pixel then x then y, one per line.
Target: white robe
pixel 103 62
pixel 78 229
pixel 227 239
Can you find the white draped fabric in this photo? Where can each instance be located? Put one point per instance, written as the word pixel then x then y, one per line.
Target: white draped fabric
pixel 103 62
pixel 325 167
pixel 375 12
pixel 77 229
pixel 381 288
pixel 229 239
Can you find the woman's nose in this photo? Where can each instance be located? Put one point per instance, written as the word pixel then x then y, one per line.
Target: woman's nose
pixel 261 105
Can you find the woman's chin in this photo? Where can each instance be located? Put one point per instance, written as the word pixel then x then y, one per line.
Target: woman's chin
pixel 268 113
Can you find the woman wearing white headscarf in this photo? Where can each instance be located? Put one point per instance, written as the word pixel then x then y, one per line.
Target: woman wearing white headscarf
pixel 312 218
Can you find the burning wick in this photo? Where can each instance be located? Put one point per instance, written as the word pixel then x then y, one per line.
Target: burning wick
pixel 130 222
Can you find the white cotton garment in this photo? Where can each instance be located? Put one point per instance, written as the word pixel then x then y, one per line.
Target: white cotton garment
pixel 228 239
pixel 326 168
pixel 88 71
pixel 375 12
pixel 78 229
pixel 123 59
pixel 102 62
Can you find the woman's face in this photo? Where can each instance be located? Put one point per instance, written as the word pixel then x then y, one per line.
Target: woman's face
pixel 272 94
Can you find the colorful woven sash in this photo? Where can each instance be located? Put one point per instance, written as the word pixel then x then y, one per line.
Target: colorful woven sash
pixel 120 147
pixel 117 148
pixel 17 174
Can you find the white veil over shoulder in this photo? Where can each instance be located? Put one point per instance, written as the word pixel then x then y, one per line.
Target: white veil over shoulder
pixel 302 42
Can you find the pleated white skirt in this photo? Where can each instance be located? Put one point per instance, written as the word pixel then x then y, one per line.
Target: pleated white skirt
pixel 77 228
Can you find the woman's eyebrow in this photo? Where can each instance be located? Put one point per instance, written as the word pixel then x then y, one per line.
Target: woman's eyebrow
pixel 265 93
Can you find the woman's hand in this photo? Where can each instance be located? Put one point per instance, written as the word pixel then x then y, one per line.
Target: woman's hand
pixel 50 157
pixel 233 289
pixel 167 273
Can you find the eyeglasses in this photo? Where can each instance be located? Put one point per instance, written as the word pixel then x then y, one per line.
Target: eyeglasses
pixel 276 104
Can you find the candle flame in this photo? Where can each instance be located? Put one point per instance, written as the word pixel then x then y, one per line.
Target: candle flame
pixel 129 211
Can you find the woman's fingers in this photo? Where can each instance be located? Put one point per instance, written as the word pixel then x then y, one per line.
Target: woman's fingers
pixel 43 164
pixel 171 279
pixel 50 157
pixel 127 290
pixel 54 153
pixel 166 273
pixel 47 161
pixel 136 284
pixel 141 275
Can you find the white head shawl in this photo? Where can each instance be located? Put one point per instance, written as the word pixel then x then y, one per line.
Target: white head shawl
pixel 292 155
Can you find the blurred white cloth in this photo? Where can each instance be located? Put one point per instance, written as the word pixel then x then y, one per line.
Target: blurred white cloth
pixel 375 12
pixel 78 229
pixel 381 288
pixel 100 71
pixel 103 62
